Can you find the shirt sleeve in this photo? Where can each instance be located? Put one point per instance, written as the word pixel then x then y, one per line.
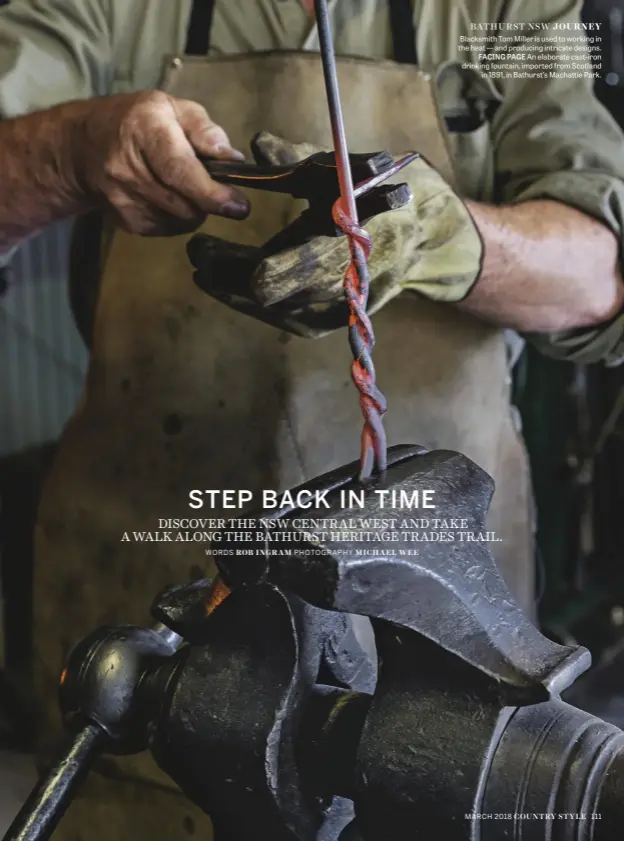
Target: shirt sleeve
pixel 554 140
pixel 53 51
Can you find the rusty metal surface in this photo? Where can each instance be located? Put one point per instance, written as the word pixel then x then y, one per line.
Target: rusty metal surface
pixel 356 283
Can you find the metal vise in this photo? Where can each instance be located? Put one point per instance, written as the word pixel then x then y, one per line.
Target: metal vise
pixel 274 717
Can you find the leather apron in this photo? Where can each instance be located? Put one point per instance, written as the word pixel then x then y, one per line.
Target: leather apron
pixel 184 393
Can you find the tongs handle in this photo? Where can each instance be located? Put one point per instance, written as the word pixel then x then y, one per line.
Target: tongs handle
pixel 275 178
pixel 314 178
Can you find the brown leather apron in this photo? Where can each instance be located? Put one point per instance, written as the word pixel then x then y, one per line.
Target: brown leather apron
pixel 185 393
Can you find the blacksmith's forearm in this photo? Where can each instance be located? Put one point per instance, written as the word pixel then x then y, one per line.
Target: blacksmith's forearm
pixel 547 267
pixel 37 173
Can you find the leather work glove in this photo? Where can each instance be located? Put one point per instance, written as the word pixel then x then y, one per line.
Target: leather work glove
pixel 430 246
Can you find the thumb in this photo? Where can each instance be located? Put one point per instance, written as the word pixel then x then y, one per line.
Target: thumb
pixel 207 138
pixel 270 149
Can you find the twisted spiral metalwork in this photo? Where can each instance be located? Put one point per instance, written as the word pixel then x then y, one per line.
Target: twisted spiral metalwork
pixel 362 341
pixel 356 286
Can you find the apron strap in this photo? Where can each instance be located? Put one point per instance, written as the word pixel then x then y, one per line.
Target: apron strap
pixel 403 31
pixel 401 22
pixel 200 24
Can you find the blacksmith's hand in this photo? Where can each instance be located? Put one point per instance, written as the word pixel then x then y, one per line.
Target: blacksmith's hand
pixel 137 154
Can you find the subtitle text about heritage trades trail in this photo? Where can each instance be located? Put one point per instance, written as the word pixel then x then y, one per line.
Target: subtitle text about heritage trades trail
pixel 292 528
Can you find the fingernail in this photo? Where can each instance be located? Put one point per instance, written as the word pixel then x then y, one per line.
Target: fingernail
pixel 236 154
pixel 235 209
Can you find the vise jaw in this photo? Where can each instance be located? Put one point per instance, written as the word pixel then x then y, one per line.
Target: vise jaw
pixel 449 592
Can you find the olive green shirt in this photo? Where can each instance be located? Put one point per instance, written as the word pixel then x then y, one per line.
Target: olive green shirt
pixel 544 138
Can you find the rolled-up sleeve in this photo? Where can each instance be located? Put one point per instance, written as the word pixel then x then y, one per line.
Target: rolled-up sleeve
pixel 554 140
pixel 52 51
